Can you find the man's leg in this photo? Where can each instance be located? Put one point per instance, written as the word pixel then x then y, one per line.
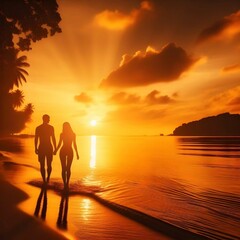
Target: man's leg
pixel 41 159
pixel 49 166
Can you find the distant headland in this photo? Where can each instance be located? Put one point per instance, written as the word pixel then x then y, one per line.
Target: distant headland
pixel 224 124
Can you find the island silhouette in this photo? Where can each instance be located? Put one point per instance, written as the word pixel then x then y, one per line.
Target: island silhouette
pixel 225 124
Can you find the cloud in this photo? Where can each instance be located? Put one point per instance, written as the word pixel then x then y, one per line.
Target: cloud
pixel 234 99
pixel 227 101
pixel 134 115
pixel 130 108
pixel 235 102
pixel 154 98
pixel 227 27
pixel 232 68
pixel 116 20
pixel 123 98
pixel 151 66
pixel 83 98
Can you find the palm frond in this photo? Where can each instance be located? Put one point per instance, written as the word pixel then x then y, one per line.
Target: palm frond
pixel 17 98
pixel 23 71
pixel 29 108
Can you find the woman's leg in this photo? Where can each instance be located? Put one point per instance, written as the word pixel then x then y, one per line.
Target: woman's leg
pixel 63 159
pixel 69 163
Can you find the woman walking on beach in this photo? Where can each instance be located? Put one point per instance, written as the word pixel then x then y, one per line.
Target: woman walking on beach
pixel 67 139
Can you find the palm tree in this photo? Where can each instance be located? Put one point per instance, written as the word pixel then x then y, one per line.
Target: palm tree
pixel 12 75
pixel 12 72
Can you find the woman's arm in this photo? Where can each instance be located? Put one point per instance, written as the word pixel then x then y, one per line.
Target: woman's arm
pixel 75 146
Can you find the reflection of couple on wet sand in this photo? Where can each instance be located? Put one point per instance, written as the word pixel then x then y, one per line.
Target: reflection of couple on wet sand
pixel 45 141
pixel 42 206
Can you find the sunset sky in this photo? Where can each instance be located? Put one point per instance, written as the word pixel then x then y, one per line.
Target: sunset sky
pixel 136 67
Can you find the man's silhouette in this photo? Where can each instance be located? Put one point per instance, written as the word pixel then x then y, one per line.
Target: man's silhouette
pixel 45 134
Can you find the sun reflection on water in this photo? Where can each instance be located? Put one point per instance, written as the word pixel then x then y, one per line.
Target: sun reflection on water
pixel 85 208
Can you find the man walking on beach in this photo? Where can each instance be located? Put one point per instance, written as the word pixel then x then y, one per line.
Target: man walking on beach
pixel 44 134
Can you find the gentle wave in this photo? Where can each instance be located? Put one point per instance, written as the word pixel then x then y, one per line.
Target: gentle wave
pixel 212 155
pixel 224 147
pixel 215 214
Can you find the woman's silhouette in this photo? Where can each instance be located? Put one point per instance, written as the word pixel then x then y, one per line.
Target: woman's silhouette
pixel 67 139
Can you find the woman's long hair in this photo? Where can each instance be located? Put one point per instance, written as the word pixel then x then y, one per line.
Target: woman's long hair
pixel 67 129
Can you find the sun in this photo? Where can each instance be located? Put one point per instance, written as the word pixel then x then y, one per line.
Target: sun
pixel 93 123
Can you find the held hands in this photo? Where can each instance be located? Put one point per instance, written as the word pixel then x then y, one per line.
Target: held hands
pixel 55 152
pixel 36 151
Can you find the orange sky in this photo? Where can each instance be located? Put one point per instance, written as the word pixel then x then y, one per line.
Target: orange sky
pixel 136 67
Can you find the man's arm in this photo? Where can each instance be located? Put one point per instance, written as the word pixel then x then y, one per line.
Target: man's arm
pixel 36 141
pixel 54 140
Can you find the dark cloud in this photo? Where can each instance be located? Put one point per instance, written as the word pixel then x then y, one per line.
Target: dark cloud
pixel 154 98
pixel 227 27
pixel 234 104
pixel 124 98
pixel 151 67
pixel 175 95
pixel 232 68
pixel 235 101
pixel 226 101
pixel 83 98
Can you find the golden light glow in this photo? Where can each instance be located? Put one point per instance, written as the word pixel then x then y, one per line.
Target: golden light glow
pixel 93 123
pixel 77 63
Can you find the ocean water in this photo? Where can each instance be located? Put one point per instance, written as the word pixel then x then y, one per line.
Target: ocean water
pixel 190 183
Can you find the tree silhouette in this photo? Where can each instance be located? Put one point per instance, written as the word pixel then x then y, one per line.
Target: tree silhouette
pixel 22 22
pixel 12 72
pixel 12 75
pixel 25 21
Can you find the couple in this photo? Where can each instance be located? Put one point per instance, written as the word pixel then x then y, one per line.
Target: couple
pixel 45 141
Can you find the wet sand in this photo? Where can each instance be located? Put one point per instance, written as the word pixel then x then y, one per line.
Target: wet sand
pixel 86 218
